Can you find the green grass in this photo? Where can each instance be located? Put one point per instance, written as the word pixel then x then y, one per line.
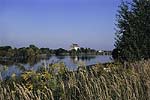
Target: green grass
pixel 130 81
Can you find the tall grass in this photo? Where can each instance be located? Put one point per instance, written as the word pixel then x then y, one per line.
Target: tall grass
pixel 130 81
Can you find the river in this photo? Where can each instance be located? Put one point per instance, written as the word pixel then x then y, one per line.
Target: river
pixel 71 62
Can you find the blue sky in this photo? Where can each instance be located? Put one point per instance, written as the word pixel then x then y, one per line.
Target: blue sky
pixel 58 23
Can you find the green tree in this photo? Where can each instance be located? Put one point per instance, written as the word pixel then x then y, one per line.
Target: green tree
pixel 73 52
pixel 30 52
pixel 22 52
pixel 5 51
pixel 61 51
pixel 133 31
pixel 45 51
pixel 33 47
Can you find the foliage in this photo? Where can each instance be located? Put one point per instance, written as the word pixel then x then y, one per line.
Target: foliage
pixel 23 53
pixel 83 51
pixel 111 81
pixel 46 51
pixel 60 51
pixel 33 52
pixel 133 31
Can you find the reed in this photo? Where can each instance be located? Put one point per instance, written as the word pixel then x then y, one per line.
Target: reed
pixel 129 81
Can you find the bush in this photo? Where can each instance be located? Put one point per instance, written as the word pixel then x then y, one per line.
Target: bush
pixel 104 82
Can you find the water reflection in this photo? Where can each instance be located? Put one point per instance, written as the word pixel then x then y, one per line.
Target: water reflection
pixel 60 57
pixel 31 61
pixel 78 59
pixel 72 62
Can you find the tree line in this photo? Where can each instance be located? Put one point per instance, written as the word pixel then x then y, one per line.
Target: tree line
pixel 33 51
pixel 24 52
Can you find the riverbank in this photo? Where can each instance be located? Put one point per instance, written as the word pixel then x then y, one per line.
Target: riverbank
pixel 120 82
pixel 71 63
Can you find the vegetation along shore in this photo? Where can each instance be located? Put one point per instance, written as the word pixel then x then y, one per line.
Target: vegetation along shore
pixel 127 78
pixel 130 81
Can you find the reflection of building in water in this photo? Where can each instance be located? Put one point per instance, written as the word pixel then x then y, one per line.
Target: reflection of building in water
pixel 76 60
pixel 74 46
pixel 81 59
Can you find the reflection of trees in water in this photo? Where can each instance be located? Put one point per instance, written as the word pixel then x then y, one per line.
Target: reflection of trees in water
pixel 19 62
pixel 77 59
pixel 31 61
pixel 60 57
pixel 15 61
pixel 86 58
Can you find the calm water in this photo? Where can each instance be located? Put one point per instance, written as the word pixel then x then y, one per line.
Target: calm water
pixel 32 64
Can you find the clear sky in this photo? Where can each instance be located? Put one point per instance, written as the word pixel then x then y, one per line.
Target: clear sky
pixel 58 23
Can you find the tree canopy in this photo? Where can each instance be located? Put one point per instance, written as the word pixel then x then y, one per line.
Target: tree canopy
pixel 133 31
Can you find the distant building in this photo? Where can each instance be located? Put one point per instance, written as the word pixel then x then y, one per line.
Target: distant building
pixel 100 51
pixel 74 46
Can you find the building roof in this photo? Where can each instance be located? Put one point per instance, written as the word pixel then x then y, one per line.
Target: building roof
pixel 75 45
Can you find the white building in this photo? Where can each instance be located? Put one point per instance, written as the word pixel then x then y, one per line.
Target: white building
pixel 100 51
pixel 74 46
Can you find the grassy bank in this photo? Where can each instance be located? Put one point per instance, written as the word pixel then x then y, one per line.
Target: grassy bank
pixel 130 81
